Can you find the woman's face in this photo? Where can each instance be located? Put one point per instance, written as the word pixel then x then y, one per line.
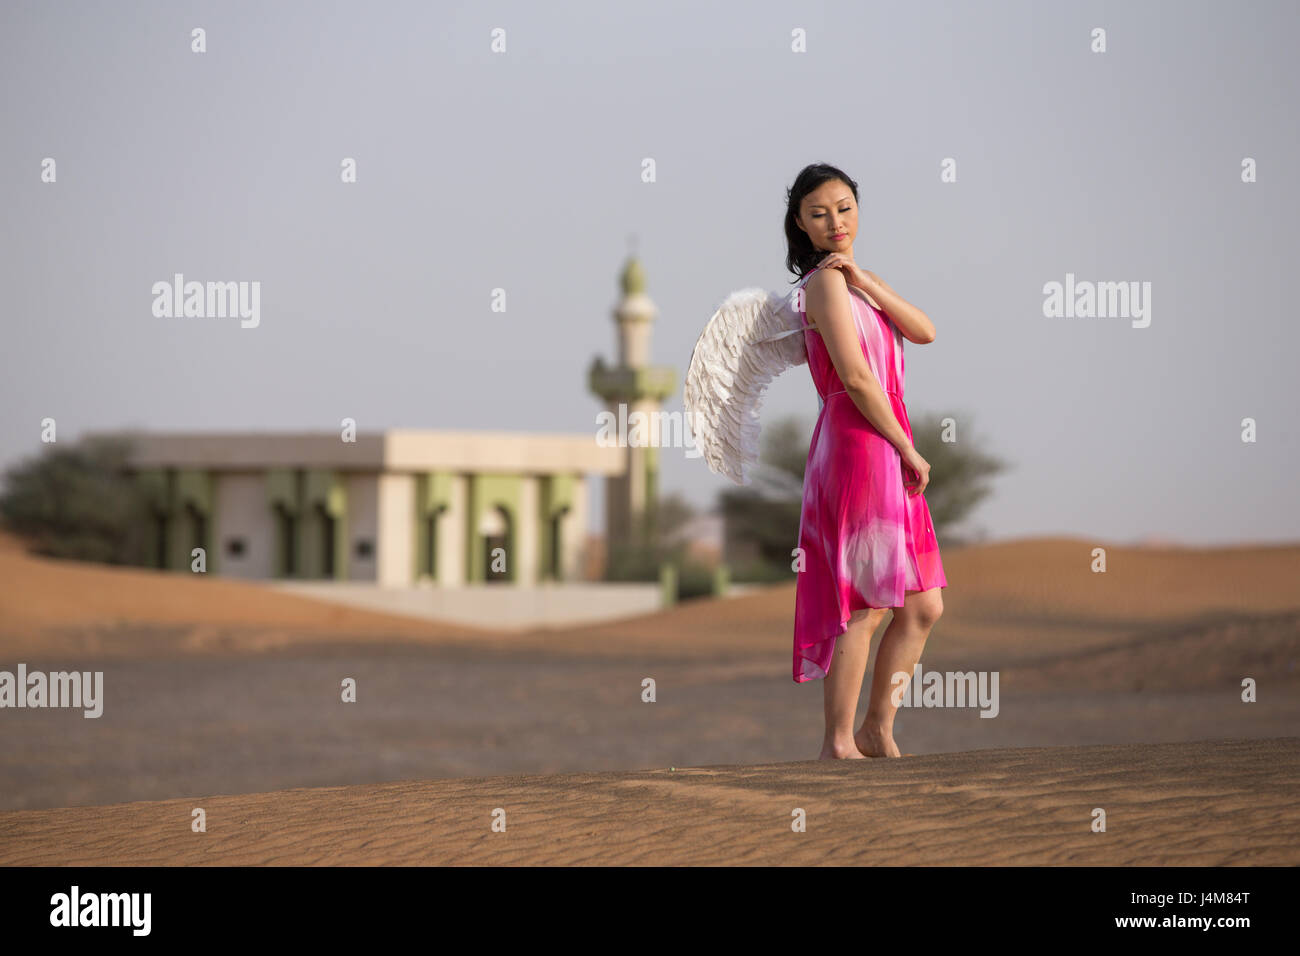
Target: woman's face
pixel 829 215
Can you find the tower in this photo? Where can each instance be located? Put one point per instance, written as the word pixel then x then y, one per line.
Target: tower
pixel 630 498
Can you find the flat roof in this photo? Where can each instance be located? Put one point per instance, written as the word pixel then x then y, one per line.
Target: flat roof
pixel 398 449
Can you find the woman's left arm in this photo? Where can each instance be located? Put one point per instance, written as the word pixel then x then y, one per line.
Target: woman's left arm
pixel 911 321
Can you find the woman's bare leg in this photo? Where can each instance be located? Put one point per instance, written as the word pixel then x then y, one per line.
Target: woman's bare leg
pixel 843 684
pixel 900 649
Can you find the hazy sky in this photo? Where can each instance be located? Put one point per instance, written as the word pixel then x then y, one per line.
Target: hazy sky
pixel 522 170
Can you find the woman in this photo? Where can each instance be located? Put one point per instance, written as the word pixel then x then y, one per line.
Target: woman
pixel 866 540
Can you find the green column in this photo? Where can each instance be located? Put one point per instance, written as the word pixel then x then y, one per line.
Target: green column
pixel 156 488
pixel 283 489
pixel 432 498
pixel 322 489
pixel 491 491
pixel 193 490
pixel 557 497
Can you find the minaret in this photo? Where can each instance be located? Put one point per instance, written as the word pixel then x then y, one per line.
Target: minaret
pixel 630 498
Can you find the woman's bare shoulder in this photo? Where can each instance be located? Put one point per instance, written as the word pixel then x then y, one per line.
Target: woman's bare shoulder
pixel 818 290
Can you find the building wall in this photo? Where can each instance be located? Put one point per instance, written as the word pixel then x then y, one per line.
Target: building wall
pixel 381 509
pixel 441 502
pixel 242 512
pixel 363 525
pixel 528 540
pixel 396 524
pixel 453 545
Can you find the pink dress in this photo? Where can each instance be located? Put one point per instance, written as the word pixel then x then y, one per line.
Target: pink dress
pixel 865 541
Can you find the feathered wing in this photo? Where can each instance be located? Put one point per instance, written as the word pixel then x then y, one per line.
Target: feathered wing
pixel 752 338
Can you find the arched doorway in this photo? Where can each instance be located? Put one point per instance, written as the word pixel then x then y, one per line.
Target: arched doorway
pixel 286 531
pixel 328 530
pixel 556 557
pixel 498 562
pixel 197 528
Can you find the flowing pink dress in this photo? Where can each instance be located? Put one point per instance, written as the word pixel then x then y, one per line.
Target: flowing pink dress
pixel 865 541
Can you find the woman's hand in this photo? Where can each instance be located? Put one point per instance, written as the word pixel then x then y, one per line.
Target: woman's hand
pixel 916 472
pixel 854 274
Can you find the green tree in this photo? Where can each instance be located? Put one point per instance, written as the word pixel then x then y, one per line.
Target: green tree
pixel 79 502
pixel 960 473
pixel 762 520
pixel 641 560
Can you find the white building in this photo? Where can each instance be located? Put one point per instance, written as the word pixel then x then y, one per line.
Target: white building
pixel 390 507
pixel 402 506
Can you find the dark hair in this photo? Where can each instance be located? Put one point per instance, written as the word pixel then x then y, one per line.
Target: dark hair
pixel 801 255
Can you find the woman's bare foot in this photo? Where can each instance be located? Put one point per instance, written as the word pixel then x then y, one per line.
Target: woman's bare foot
pixel 875 742
pixel 840 750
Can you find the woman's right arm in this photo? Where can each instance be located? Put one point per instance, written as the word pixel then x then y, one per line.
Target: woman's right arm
pixel 827 298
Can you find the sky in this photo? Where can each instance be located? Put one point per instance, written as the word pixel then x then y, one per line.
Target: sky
pixel 521 169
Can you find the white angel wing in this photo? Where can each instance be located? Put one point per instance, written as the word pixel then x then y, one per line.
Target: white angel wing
pixel 753 337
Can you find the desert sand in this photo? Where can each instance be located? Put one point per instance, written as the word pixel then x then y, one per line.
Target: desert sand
pixel 1200 804
pixel 1120 690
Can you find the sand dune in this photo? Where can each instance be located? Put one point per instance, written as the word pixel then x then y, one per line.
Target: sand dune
pixel 80 608
pixel 1212 803
pixel 225 687
pixel 1023 598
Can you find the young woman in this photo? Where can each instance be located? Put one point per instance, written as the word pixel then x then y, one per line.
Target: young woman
pixel 865 536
